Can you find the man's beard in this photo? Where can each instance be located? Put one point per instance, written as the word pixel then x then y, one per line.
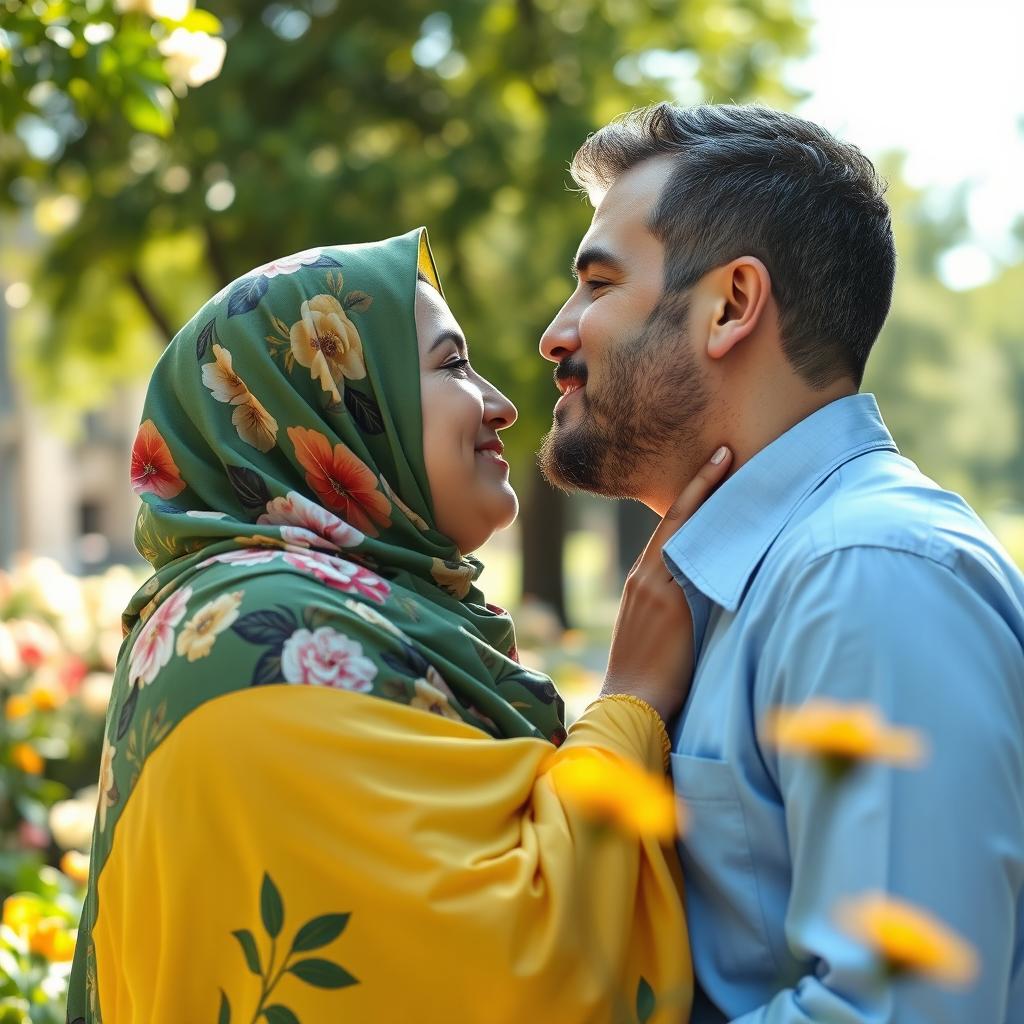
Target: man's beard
pixel 649 411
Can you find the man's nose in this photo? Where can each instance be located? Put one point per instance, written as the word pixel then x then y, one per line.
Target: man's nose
pixel 562 338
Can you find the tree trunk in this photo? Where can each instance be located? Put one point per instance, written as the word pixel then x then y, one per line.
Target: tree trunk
pixel 543 525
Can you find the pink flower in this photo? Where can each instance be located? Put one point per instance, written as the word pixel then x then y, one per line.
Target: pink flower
pixel 155 643
pixel 340 574
pixel 288 264
pixel 296 510
pixel 326 657
pixel 245 556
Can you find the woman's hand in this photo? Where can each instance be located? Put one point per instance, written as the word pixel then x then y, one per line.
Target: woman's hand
pixel 651 654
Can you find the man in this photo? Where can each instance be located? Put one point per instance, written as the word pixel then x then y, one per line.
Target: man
pixel 737 271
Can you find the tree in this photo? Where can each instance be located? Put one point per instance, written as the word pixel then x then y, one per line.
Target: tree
pixel 341 123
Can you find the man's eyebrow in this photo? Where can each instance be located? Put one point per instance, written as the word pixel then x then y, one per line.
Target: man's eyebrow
pixel 449 335
pixel 595 254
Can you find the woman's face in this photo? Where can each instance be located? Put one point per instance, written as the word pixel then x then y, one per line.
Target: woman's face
pixel 462 415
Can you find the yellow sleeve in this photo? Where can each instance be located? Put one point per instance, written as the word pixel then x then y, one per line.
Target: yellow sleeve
pixel 341 857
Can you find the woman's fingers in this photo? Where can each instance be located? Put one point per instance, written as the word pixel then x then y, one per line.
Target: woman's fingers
pixel 692 496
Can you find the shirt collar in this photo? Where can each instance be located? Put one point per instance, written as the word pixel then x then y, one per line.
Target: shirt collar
pixel 720 546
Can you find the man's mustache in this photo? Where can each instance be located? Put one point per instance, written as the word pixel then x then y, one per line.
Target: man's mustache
pixel 570 369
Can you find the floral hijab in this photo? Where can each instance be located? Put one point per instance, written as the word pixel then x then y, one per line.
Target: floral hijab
pixel 282 431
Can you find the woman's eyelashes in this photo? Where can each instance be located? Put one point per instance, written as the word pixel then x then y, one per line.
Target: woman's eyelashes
pixel 456 368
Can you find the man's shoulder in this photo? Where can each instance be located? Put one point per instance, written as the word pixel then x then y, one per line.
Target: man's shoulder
pixel 880 503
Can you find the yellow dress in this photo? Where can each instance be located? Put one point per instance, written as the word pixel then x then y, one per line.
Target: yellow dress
pixel 304 854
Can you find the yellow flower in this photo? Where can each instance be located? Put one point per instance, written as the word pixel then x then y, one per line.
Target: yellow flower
pixel 198 635
pixel 52 939
pixel 46 699
pixel 18 706
pixel 455 578
pixel 225 385
pixel 22 913
pixel 327 343
pixel 843 733
pixel 27 758
pixel 612 789
pixel 76 866
pixel 908 940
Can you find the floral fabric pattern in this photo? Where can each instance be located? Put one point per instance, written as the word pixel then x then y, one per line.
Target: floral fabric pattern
pixel 287 515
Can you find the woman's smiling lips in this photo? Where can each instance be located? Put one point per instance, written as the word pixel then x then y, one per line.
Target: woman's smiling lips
pixel 491 451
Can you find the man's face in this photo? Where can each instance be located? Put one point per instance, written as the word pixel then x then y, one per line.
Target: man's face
pixel 633 391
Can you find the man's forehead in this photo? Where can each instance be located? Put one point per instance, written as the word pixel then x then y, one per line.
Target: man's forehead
pixel 620 222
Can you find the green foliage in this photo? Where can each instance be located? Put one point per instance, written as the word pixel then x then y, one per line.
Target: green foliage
pixel 332 123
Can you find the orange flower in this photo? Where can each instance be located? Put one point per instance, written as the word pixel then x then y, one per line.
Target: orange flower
pixel 612 789
pixel 341 481
pixel 26 758
pixel 153 468
pixel 52 939
pixel 908 940
pixel 76 866
pixel 18 706
pixel 842 733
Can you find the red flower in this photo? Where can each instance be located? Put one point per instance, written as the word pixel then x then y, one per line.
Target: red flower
pixel 341 481
pixel 153 469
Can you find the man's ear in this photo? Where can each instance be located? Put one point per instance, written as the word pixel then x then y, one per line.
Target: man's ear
pixel 742 289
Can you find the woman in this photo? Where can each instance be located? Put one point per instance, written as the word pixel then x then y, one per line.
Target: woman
pixel 316 455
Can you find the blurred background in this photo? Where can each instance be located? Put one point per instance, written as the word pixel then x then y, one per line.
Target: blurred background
pixel 152 151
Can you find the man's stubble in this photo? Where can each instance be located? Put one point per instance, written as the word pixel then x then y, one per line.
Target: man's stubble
pixel 646 418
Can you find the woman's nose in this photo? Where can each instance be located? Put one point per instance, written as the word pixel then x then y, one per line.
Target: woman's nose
pixel 499 412
pixel 561 339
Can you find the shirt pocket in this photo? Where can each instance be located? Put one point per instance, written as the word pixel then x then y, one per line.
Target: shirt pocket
pixel 728 924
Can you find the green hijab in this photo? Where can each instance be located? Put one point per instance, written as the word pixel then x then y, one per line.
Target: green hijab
pixel 282 430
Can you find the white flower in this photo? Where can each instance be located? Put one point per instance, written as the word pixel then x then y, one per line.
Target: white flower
pixel 192 58
pixel 155 643
pixel 296 510
pixel 326 657
pixel 71 822
pixel 288 264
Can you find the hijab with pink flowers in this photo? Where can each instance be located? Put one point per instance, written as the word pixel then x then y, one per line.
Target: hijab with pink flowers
pixel 282 433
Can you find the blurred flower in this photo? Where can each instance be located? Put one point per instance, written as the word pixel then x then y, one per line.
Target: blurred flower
pixel 95 693
pixel 36 642
pixel 32 837
pixel 46 698
pixel 26 757
pixel 10 660
pixel 18 706
pixel 52 939
pixel 908 940
pixel 192 58
pixel 198 635
pixel 71 822
pixel 76 866
pixel 22 912
pixel 612 789
pixel 842 734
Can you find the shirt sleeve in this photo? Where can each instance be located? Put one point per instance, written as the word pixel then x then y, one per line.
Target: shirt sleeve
pixel 349 858
pixel 910 636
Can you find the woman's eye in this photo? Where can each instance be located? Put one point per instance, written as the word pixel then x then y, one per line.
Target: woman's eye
pixel 457 368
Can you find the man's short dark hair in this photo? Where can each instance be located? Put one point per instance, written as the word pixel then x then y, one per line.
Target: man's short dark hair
pixel 752 181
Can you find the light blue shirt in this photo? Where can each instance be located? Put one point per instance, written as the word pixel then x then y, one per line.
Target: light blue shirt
pixel 829 566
